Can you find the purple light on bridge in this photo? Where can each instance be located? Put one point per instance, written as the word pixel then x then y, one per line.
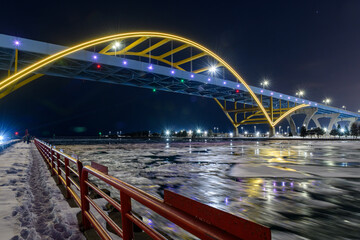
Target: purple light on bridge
pixel 209 79
pixel 16 42
pixel 224 82
pixel 125 62
pixel 238 85
pixel 288 97
pixel 150 67
pixel 295 99
pixel 280 95
pixel 261 90
pixel 172 72
pixel 192 75
pixel 95 57
pixel 303 101
pixel 271 93
pixel 315 104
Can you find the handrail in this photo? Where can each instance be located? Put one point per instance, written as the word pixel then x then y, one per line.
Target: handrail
pixel 62 168
pixel 199 219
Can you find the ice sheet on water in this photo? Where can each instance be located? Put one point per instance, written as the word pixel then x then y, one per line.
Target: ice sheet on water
pixel 286 185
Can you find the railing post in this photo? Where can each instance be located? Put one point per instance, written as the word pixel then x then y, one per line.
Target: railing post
pixel 52 161
pixel 58 167
pixel 84 190
pixel 67 180
pixel 127 226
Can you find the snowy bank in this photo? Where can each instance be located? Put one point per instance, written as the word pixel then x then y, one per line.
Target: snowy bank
pixel 32 206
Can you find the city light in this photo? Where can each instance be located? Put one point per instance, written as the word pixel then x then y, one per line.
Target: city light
pixel 342 130
pixel 124 62
pixel 246 132
pixel 116 45
pixel 150 67
pixel 154 90
pixel 265 83
pixel 198 131
pixel 325 129
pixel 17 43
pixel 300 93
pixel 1 137
pixel 231 134
pixel 190 132
pixel 98 66
pixel 205 133
pixel 327 101
pixel 167 132
pixel 95 57
pixel 212 69
pixel 173 72
pixel 343 107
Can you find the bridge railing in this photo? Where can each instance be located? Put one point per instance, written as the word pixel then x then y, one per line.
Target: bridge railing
pixel 202 221
pixel 66 168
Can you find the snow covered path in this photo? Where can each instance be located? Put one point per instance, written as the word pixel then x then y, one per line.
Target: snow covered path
pixel 31 205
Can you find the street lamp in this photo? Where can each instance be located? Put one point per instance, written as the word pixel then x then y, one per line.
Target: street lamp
pixel 343 107
pixel 300 93
pixel 327 101
pixel 264 83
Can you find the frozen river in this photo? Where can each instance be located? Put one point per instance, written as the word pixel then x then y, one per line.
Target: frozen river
pixel 301 189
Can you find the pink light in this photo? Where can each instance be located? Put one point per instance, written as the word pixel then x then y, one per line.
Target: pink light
pixel 192 75
pixel 272 93
pixel 262 91
pixel 238 85
pixel 209 79
pixel 172 72
pixel 288 97
pixel 16 42
pixel 303 101
pixel 95 57
pixel 224 82
pixel 280 95
pixel 150 67
pixel 125 62
pixel 295 99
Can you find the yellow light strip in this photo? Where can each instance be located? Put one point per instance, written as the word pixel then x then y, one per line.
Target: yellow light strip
pixel 190 58
pixel 162 42
pixel 6 82
pixel 287 113
pixel 178 49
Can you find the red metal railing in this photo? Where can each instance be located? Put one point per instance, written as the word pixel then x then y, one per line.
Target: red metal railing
pixel 63 166
pixel 199 219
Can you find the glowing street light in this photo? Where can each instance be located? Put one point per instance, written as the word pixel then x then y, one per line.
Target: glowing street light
pixel 343 107
pixel 212 69
pixel 1 138
pixel 167 132
pixel 265 83
pixel 300 93
pixel 116 45
pixel 231 134
pixel 327 101
pixel 198 131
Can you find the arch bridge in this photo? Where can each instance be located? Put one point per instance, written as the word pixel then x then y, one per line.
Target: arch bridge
pixel 154 60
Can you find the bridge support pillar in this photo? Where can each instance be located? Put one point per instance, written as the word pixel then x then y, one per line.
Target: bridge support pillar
pixel 292 125
pixel 271 131
pixel 310 112
pixel 333 119
pixel 236 132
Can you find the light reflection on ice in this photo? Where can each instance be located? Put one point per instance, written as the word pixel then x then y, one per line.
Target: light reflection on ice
pixel 299 188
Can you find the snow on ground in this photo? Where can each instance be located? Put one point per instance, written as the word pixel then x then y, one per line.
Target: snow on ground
pixel 32 206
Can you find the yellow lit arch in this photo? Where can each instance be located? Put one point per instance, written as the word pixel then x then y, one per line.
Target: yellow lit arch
pixel 30 69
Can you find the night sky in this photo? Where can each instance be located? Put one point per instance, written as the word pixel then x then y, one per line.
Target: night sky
pixel 310 45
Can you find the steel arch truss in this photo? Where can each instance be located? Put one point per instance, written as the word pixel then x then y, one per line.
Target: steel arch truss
pixel 155 48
